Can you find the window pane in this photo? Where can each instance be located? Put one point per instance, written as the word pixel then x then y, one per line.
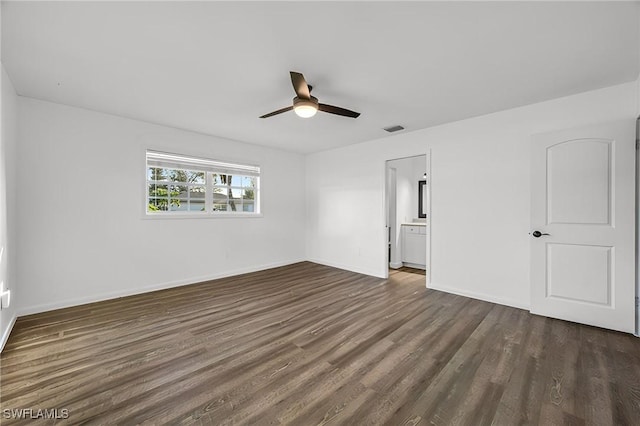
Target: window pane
pixel 179 191
pixel 218 179
pixel 235 180
pixel 195 177
pixel 248 206
pixel 157 190
pixel 196 205
pixel 178 175
pixel 157 204
pixel 236 193
pixel 249 181
pixel 196 193
pixel 219 207
pixel 177 205
pixel 220 194
pixel 248 194
pixel 156 173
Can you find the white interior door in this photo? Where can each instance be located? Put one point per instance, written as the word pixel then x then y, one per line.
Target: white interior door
pixel 583 204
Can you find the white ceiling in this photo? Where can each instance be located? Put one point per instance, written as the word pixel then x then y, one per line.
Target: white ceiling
pixel 214 67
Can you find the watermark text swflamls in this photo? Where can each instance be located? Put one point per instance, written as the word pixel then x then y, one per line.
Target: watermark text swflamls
pixel 35 413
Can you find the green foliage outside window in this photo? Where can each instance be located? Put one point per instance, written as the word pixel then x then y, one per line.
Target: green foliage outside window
pixel 169 189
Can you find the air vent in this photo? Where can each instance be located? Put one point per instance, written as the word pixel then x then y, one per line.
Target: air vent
pixel 392 129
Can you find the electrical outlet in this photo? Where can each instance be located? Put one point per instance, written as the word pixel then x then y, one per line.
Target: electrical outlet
pixel 5 299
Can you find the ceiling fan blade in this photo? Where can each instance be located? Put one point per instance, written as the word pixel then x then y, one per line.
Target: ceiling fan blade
pixel 300 85
pixel 338 111
pixel 280 111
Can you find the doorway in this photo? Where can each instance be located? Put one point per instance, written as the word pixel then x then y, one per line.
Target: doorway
pixel 407 214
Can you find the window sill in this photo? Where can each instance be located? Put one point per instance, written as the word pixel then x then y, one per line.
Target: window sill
pixel 202 216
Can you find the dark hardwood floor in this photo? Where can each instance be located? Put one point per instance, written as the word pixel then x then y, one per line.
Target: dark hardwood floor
pixel 411 270
pixel 308 344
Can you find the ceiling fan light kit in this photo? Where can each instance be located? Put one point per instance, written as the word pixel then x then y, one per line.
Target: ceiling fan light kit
pixel 305 108
pixel 305 105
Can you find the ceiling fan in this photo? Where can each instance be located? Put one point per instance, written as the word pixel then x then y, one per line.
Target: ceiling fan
pixel 305 105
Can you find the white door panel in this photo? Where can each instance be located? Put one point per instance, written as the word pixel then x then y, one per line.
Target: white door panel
pixel 569 279
pixel 583 197
pixel 578 183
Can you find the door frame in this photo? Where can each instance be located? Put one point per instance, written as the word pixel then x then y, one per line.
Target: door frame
pixel 385 204
pixel 637 257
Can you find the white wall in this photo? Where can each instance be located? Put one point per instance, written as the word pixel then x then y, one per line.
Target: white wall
pixel 8 141
pixel 83 235
pixel 479 194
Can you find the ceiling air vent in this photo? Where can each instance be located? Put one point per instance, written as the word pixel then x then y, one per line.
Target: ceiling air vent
pixel 392 129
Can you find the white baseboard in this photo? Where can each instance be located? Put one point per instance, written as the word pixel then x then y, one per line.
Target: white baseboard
pixel 415 266
pixel 479 296
pixel 162 286
pixel 7 332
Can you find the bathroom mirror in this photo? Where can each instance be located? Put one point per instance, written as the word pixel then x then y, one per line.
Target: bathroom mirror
pixel 422 198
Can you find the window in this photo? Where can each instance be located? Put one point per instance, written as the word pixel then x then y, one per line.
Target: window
pixel 178 184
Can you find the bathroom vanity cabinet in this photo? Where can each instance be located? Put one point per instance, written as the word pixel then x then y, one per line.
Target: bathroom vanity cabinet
pixel 414 245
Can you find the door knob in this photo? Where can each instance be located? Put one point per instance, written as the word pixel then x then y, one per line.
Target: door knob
pixel 538 234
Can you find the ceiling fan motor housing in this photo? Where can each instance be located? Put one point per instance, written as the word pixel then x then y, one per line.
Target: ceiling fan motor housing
pixel 299 102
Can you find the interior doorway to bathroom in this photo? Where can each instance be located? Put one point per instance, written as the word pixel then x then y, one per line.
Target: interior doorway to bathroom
pixel 407 205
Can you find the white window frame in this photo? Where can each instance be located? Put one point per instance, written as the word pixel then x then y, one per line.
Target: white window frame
pixel 171 161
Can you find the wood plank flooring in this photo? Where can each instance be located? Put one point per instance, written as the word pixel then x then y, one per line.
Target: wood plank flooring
pixel 311 345
pixel 412 270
